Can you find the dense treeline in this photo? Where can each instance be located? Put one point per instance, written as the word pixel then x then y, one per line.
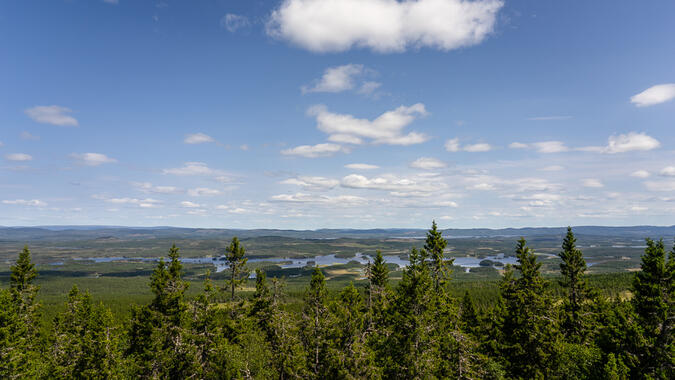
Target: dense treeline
pixel 414 330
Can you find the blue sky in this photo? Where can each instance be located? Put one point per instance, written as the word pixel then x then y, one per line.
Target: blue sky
pixel 337 113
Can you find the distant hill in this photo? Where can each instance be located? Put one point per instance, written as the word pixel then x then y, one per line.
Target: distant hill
pixel 72 233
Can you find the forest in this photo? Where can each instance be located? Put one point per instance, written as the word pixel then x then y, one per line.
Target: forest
pixel 418 327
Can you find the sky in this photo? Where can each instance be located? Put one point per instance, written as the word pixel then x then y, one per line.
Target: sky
pixel 305 114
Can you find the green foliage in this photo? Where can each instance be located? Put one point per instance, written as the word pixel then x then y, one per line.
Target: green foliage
pixel 237 263
pixel 419 327
pixel 578 315
pixel 528 328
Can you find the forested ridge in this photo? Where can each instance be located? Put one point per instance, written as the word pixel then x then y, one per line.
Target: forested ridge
pixel 412 329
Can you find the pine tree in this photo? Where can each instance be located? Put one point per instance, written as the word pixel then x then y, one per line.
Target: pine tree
pixel 434 246
pixel 577 317
pixel 237 263
pixel 315 324
pixel 378 280
pixel 527 329
pixel 654 303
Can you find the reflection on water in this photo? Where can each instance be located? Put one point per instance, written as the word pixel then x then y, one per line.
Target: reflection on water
pixel 325 260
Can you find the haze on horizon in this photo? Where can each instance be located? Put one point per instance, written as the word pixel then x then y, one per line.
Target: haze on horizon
pixel 306 114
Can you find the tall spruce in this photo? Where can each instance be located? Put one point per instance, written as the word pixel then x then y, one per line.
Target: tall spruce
pixel 237 264
pixel 576 317
pixel 315 325
pixel 527 327
pixel 435 245
pixel 654 303
pixel 377 288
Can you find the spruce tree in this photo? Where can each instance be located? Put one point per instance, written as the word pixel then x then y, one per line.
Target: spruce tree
pixel 576 318
pixel 85 342
pixel 434 245
pixel 654 303
pixel 237 264
pixel 377 288
pixel 527 329
pixel 315 325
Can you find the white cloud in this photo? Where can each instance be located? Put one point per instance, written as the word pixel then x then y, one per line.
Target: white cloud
pixel 192 168
pixel 517 145
pixel 477 148
pixel 385 129
pixel 367 88
pixel 343 200
pixel 552 168
pixel 147 187
pixel 313 151
pixel 631 141
pixel 640 174
pixel 427 163
pixel 244 147
pixel 383 25
pixel 668 171
pixel 660 93
pixel 92 159
pixel 452 145
pixel 668 185
pixel 143 203
pixel 592 182
pixel 18 157
pixel 25 135
pixel 361 166
pixel 198 138
pixel 550 147
pixel 233 22
pixel 55 115
pixel 24 202
pixel 336 79
pixel 391 183
pixel 312 183
pixel 189 204
pixel 203 192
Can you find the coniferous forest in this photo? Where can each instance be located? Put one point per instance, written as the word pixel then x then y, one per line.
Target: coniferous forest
pixel 411 329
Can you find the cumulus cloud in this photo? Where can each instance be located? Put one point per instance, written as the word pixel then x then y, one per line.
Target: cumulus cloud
pixel 361 166
pixel 143 203
pixel 343 200
pixel 55 115
pixel 92 159
pixel 668 185
pixel 592 182
pixel 192 168
pixel 550 147
pixel 640 174
pixel 452 145
pixel 552 168
pixel 148 187
pixel 668 171
pixel 336 79
pixel 427 163
pixel 622 143
pixel 518 145
pixel 313 151
pixel 477 147
pixel 189 204
pixel 25 202
pixel 369 87
pixel 203 192
pixel 385 129
pixel 392 183
pixel 660 93
pixel 18 157
pixel 233 22
pixel 312 183
pixel 25 135
pixel 383 25
pixel 198 138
